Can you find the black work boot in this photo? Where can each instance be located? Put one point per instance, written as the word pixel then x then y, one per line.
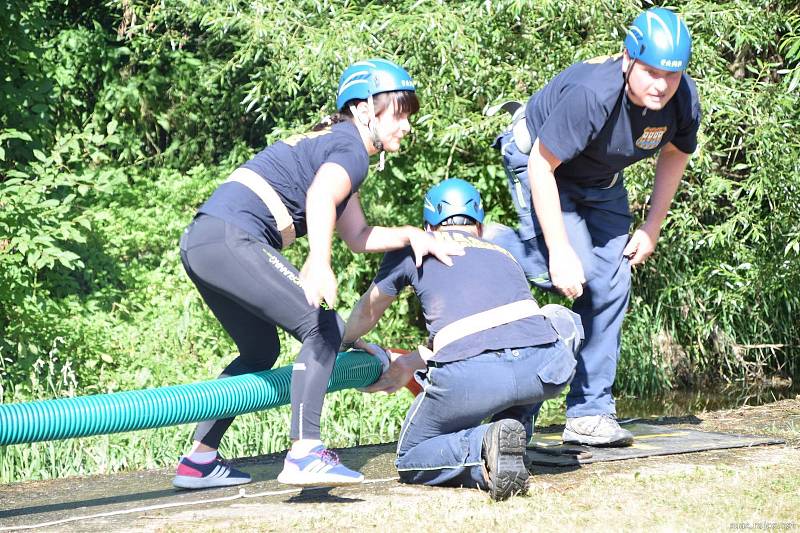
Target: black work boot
pixel 503 457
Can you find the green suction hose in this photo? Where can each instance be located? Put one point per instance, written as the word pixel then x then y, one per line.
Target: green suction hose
pixel 168 406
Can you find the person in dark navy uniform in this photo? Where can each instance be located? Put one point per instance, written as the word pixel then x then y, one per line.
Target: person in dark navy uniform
pixel 306 184
pixel 565 155
pixel 492 353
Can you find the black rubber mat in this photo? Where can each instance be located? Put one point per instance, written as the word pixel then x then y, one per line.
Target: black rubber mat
pixel 649 440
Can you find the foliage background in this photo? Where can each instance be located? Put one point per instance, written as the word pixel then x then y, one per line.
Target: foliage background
pixel 118 118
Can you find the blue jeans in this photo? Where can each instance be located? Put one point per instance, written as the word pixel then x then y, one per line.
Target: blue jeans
pixel 598 221
pixel 442 436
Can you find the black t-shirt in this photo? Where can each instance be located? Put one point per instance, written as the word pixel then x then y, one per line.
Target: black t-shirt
pixel 290 166
pixel 487 276
pixel 584 117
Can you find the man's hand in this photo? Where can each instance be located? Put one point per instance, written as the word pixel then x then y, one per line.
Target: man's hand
pixel 423 243
pixel 641 245
pixel 319 282
pixel 566 272
pixel 399 373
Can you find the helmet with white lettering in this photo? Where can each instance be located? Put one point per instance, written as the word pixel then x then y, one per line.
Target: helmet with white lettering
pixel 659 38
pixel 366 78
pixel 453 198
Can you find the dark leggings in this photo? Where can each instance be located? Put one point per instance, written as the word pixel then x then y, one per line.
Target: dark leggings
pixel 251 288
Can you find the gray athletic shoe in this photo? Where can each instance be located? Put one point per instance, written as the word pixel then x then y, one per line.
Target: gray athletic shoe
pixel 503 457
pixel 596 430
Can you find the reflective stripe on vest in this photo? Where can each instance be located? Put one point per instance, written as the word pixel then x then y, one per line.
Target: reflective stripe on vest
pixel 478 322
pixel 261 188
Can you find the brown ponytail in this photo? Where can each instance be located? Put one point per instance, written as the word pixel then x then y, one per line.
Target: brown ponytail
pixel 329 120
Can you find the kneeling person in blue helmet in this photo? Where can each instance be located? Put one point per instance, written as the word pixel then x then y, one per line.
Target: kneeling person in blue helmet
pixel 492 353
pixel 564 155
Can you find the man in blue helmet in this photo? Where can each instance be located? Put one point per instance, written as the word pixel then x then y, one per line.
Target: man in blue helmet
pixel 493 353
pixel 569 146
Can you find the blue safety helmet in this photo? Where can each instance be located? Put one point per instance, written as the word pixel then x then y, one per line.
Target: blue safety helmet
pixel 659 38
pixel 452 197
pixel 372 76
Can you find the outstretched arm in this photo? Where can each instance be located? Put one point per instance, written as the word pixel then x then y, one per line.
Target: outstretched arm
pixel 330 187
pixel 368 310
pixel 365 315
pixel 361 237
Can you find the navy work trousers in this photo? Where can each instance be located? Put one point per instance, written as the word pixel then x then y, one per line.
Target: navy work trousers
pixel 598 222
pixel 441 439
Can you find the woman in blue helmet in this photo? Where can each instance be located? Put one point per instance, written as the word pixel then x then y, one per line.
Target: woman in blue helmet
pixel 306 184
pixel 492 353
pixel 564 155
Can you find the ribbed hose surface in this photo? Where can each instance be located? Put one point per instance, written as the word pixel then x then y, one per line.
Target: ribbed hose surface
pixel 168 406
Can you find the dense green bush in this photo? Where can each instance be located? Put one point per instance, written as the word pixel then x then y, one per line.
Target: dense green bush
pixel 118 119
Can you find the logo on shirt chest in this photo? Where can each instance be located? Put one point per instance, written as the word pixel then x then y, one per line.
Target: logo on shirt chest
pixel 651 138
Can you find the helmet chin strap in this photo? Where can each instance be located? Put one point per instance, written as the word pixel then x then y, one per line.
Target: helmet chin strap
pixel 632 62
pixel 370 124
pixel 376 141
pixel 627 77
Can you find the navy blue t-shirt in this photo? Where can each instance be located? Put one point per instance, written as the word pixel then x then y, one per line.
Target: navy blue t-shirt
pixel 289 166
pixel 585 118
pixel 486 276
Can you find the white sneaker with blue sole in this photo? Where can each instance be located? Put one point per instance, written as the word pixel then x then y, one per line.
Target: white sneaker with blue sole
pixel 320 468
